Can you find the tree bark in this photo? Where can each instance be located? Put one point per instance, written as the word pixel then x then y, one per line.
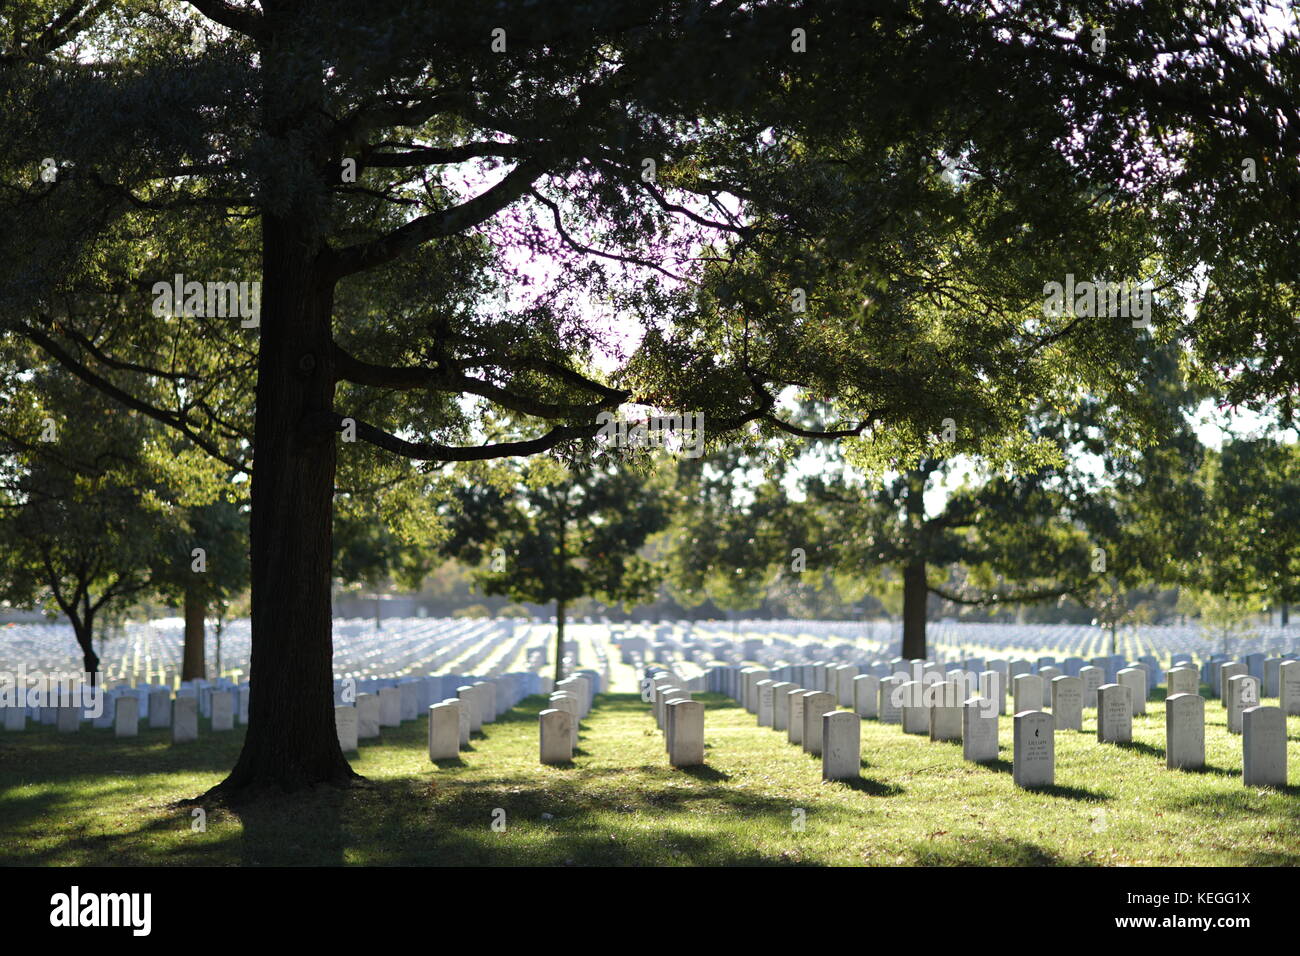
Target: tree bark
pixel 194 657
pixel 916 594
pixel 292 741
pixel 84 632
pixel 559 640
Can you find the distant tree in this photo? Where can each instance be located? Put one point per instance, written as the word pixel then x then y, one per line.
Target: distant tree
pixel 561 537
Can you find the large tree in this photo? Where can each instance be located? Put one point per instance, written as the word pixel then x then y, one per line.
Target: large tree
pixel 696 166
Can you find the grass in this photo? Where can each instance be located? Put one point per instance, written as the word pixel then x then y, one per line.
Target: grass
pixel 89 799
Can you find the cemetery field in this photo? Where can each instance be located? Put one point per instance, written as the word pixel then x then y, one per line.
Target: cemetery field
pixel 89 799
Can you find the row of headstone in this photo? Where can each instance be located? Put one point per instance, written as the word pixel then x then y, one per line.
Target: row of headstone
pixel 678 716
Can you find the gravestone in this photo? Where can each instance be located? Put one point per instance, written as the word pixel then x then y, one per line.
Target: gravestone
pixel 889 710
pixel 781 705
pixel 1114 714
pixel 1271 683
pixel 462 716
pixel 1183 680
pixel 1185 732
pixel 979 730
pixel 1048 674
pixel 345 724
pixel 1288 679
pixel 390 705
pixel 866 695
pixel 15 718
pixel 1240 692
pixel 444 731
pixel 367 716
pixel 245 697
pixel 915 713
pixel 555 730
pixel 992 688
pixel 1263 743
pixel 794 733
pixel 686 745
pixel 1033 754
pixel 160 708
pixel 1067 702
pixel 223 710
pixel 126 717
pixel 847 674
pixel 1027 691
pixel 1227 672
pixel 766 702
pixel 815 704
pixel 841 745
pixel 68 720
pixel 569 702
pixel 1135 679
pixel 1093 677
pixel 945 723
pixel 185 719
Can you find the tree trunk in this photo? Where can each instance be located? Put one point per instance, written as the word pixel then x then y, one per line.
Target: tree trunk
pixel 84 633
pixel 916 594
pixel 193 660
pixel 1285 613
pixel 292 741
pixel 559 640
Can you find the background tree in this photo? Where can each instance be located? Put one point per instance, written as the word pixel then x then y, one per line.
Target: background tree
pixel 558 538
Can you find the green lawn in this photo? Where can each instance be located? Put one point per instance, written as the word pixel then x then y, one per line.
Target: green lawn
pixel 88 799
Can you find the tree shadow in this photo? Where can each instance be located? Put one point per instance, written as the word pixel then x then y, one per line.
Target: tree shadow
pixel 705 772
pixel 1071 793
pixel 867 785
pixel 449 763
pixel 1145 748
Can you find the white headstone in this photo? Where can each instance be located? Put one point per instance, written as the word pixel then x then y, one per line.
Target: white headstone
pixel 160 708
pixel 126 718
pixel 781 705
pixel 1114 714
pixel 993 687
pixel 223 710
pixel 890 711
pixel 1241 691
pixel 345 725
pixel 686 746
pixel 390 706
pixel 1185 732
pixel 1135 679
pixel 15 718
pixel 794 733
pixel 866 695
pixel 816 704
pixel 1289 687
pixel 846 675
pixel 1027 692
pixel 68 720
pixel 1093 677
pixel 766 701
pixel 1033 756
pixel 841 745
pixel 979 730
pixel 915 714
pixel 1067 703
pixel 444 731
pixel 1183 680
pixel 555 728
pixel 367 716
pixel 185 719
pixel 1263 745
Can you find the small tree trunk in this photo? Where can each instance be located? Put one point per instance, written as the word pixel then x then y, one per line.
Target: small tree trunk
pixel 1285 613
pixel 916 594
pixel 559 640
pixel 84 633
pixel 194 658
